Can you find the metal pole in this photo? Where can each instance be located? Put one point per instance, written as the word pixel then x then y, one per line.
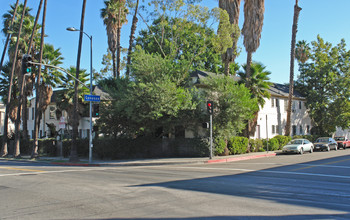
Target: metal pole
pixel 267 136
pixel 211 136
pixel 90 141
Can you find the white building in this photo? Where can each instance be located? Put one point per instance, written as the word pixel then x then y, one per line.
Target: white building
pixel 11 126
pixel 273 116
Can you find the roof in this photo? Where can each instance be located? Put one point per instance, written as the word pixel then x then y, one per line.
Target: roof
pixel 276 89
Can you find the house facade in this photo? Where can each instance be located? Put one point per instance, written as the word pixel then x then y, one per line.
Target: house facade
pixel 272 117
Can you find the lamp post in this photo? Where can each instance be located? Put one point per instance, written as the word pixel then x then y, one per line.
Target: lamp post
pixel 90 110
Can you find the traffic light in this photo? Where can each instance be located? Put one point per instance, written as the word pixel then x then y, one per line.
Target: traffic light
pixel 26 66
pixel 210 107
pixel 95 110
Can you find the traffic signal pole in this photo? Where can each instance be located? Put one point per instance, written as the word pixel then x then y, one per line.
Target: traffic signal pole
pixel 211 136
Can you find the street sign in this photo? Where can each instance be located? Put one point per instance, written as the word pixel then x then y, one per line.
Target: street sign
pixel 92 98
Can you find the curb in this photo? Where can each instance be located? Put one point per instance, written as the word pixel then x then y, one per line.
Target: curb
pixel 75 164
pixel 241 158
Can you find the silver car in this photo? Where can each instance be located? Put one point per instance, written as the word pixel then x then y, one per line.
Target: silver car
pixel 298 146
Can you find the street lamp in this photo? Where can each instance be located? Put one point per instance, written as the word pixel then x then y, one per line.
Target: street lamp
pixel 90 133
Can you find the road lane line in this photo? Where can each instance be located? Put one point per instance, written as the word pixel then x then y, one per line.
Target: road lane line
pixel 323 164
pixel 265 171
pixel 20 169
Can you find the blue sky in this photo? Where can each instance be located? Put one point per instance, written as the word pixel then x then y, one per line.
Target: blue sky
pixel 330 19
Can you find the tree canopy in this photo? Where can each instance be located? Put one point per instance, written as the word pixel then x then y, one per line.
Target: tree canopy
pixel 324 80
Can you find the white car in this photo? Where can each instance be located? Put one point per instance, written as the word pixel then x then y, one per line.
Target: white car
pixel 298 146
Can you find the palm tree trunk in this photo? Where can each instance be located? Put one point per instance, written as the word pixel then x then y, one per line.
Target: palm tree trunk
pixel 249 62
pixel 74 153
pixel 8 36
pixel 118 52
pixel 4 150
pixel 21 83
pixel 118 44
pixel 37 98
pixel 133 30
pixel 114 61
pixel 297 10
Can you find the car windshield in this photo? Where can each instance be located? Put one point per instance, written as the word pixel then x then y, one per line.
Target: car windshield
pixel 339 138
pixel 296 142
pixel 322 140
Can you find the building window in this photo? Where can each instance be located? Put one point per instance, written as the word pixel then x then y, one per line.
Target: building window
pixel 32 113
pixel 277 103
pixel 272 102
pixel 52 112
pixel 301 129
pixel 308 129
pixel 294 130
pixel 273 129
pixel 299 104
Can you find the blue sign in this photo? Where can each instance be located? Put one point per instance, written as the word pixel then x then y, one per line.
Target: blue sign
pixel 92 98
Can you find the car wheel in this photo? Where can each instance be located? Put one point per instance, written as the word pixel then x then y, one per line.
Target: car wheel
pixel 301 151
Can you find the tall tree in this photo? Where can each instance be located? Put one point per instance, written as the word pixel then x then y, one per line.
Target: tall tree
pixel 8 35
pixel 232 7
pixel 4 150
pixel 38 87
pixel 252 28
pixel 324 81
pixel 114 16
pixel 297 10
pixel 132 36
pixel 74 154
pixel 23 99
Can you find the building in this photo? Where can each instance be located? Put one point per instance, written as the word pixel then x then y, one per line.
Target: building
pixel 11 125
pixel 272 117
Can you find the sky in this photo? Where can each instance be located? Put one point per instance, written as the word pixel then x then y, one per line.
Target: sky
pixel 329 19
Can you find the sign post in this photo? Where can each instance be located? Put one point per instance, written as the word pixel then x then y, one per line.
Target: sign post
pixel 91 98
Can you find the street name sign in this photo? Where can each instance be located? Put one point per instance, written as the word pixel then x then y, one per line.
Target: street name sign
pixel 92 98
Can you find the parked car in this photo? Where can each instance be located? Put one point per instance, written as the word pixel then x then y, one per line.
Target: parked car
pixel 342 142
pixel 298 146
pixel 325 143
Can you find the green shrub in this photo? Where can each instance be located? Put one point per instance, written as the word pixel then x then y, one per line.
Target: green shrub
pixel 256 145
pixel 273 144
pixel 220 145
pixel 282 140
pixel 238 145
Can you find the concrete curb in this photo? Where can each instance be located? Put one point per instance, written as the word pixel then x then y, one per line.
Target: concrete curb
pixel 226 160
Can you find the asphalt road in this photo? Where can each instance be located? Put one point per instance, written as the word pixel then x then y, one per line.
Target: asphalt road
pixel 309 186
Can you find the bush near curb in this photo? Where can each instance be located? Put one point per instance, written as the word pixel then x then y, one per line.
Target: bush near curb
pixel 238 145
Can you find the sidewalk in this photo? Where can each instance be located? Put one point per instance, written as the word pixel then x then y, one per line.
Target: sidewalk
pixel 148 162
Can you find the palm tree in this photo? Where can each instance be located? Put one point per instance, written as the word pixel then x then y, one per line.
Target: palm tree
pixel 133 29
pixel 8 35
pixel 114 16
pixel 252 28
pixel 74 153
pixel 38 87
pixel 27 28
pixel 232 8
pixel 64 98
pixel 4 151
pixel 259 85
pixel 297 10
